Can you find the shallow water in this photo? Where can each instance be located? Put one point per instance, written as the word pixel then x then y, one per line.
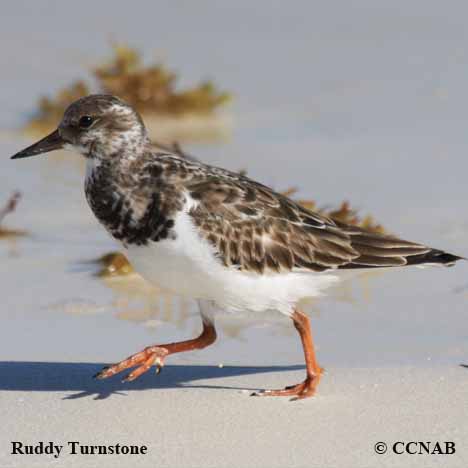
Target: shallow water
pixel 367 105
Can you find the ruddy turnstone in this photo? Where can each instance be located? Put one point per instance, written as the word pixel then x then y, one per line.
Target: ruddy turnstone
pixel 211 234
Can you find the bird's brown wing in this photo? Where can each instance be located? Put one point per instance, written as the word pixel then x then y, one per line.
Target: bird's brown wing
pixel 256 229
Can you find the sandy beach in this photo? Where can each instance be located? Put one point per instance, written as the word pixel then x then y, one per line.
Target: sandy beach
pixel 356 102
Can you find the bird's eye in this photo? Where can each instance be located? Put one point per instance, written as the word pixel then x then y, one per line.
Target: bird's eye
pixel 85 121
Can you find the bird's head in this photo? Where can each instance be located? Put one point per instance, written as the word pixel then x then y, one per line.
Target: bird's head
pixel 97 126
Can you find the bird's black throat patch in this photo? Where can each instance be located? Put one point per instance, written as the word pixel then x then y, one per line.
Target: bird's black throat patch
pixel 115 206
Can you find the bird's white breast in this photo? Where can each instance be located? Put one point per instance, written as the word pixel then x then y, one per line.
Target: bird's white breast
pixel 188 266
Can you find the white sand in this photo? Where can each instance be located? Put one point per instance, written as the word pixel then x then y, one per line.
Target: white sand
pixel 215 423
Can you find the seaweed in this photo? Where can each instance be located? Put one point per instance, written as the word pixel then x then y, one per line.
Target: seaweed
pixel 344 213
pixel 348 215
pixel 149 89
pixel 114 264
pixel 8 208
pixel 153 88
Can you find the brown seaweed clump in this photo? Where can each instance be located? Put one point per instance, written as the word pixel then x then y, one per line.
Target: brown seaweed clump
pixel 344 214
pixel 149 89
pixel 8 208
pixel 114 264
pixel 153 89
pixel 348 215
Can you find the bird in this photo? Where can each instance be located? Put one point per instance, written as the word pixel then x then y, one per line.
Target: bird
pixel 213 235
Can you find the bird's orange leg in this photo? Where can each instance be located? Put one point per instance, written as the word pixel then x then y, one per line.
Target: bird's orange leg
pixel 308 387
pixel 156 354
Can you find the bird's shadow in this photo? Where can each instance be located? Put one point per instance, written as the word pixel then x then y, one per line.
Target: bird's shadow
pixel 77 377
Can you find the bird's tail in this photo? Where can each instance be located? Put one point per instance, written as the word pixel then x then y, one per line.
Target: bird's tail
pixel 383 250
pixel 434 256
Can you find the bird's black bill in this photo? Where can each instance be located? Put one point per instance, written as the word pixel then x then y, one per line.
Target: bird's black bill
pixel 51 142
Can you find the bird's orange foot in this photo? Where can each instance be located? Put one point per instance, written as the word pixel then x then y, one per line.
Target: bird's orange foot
pixel 302 390
pixel 153 355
